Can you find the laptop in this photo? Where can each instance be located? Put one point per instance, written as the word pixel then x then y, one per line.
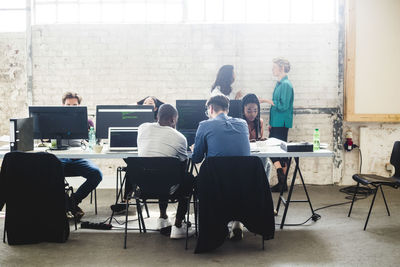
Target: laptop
pixel 122 138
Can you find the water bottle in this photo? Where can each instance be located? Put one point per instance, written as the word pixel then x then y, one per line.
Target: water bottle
pixel 316 140
pixel 92 138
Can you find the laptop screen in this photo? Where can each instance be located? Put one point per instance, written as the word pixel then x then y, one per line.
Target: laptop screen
pixel 123 138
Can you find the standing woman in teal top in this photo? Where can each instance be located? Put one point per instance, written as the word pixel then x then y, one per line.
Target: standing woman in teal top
pixel 281 116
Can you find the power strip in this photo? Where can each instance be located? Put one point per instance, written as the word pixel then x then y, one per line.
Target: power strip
pixel 97 226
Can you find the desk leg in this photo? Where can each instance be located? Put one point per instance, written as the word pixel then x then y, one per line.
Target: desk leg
pixel 304 186
pixel 290 192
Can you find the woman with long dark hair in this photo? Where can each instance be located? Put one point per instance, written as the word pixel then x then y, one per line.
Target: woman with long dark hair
pixel 251 114
pixel 223 83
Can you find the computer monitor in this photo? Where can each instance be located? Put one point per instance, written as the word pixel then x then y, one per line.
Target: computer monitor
pixel 59 122
pixel 121 116
pixel 192 112
pixel 235 109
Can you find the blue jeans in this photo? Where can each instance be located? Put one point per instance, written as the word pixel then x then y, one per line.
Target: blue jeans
pixel 86 169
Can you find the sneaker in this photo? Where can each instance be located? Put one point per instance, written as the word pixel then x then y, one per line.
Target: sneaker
pixel 178 233
pixel 237 232
pixel 163 223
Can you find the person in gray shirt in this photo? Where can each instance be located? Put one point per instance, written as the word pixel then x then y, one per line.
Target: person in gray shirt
pixel 161 139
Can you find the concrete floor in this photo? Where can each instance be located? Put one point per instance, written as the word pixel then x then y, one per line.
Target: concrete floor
pixel 334 240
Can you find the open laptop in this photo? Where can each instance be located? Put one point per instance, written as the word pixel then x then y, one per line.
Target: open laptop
pixel 122 138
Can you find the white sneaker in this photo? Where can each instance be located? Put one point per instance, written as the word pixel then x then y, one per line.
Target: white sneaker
pixel 163 223
pixel 177 233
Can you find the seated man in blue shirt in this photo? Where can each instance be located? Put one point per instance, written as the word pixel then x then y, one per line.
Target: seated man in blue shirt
pixel 221 136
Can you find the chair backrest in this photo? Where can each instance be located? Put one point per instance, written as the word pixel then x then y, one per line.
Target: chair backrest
pixel 395 158
pixel 233 189
pixel 29 183
pixel 156 177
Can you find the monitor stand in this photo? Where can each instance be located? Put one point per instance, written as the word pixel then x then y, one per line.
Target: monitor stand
pixel 59 145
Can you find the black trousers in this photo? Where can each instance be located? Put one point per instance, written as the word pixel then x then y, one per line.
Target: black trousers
pixel 280 133
pixel 184 190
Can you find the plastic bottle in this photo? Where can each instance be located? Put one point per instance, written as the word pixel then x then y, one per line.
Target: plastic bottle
pixel 316 140
pixel 92 138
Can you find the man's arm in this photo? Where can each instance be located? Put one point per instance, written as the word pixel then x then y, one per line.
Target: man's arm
pixel 182 149
pixel 200 145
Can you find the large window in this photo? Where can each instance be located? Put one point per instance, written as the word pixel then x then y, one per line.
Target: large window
pixel 183 11
pixel 12 15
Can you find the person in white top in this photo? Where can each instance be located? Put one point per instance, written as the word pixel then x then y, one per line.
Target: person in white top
pixel 161 139
pixel 223 83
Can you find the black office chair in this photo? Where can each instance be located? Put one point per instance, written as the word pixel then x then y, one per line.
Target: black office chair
pixel 95 200
pixel 233 189
pixel 377 181
pixel 32 187
pixel 153 178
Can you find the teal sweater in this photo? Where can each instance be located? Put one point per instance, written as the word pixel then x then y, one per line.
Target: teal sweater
pixel 281 113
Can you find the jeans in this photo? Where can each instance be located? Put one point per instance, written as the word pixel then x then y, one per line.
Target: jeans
pixel 86 169
pixel 267 166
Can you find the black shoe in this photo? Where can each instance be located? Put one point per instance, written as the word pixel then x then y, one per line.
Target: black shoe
pixel 118 208
pixel 78 213
pixel 278 188
pixel 281 182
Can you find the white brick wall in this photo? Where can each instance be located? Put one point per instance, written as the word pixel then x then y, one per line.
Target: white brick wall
pixel 13 96
pixel 181 61
pixel 120 64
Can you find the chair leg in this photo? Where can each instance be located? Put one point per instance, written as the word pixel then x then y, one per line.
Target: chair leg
pixel 95 201
pixel 4 231
pixel 187 223
pixel 91 197
pixel 126 223
pixel 138 214
pixel 262 240
pixel 147 209
pixel 195 208
pixel 75 220
pixel 354 197
pixel 384 199
pixel 370 209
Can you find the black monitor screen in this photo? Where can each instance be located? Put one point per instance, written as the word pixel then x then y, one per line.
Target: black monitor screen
pixel 235 109
pixel 121 116
pixel 192 112
pixel 120 139
pixel 51 122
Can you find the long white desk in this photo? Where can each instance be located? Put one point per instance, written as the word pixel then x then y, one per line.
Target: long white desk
pixel 265 152
pixel 77 152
